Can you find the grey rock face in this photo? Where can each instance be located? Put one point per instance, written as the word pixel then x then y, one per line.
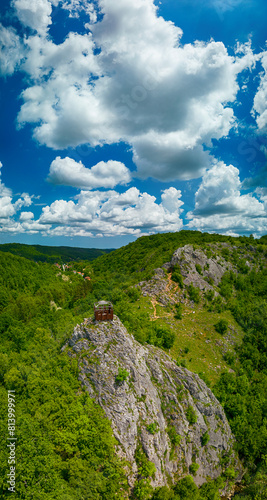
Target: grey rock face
pixel 155 392
pixel 160 287
pixel 187 258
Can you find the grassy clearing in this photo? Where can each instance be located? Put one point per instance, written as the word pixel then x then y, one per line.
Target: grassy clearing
pixel 197 345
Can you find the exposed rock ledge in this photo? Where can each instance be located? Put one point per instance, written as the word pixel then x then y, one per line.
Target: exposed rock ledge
pixel 156 391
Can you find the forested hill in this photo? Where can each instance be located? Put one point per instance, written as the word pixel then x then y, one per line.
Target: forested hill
pixel 215 326
pixel 150 252
pixel 51 254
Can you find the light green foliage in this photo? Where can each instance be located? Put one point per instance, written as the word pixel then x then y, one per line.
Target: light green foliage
pixel 193 468
pixel 153 427
pixel 122 375
pixel 146 468
pixel 229 473
pixel 175 438
pixel 142 490
pixel 191 415
pixel 205 438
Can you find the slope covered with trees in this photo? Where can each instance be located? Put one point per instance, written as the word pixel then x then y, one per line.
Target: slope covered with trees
pixel 65 446
pixel 41 253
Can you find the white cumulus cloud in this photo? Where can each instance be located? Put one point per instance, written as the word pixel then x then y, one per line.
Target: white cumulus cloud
pixel 111 213
pixel 259 110
pixel 34 14
pixel 9 207
pixel 68 172
pixel 220 206
pixel 11 51
pixel 130 79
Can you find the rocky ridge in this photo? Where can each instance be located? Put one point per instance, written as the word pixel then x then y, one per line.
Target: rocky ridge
pixel 195 267
pixel 161 408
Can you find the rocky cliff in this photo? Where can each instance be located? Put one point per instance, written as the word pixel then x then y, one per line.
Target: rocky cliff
pixel 156 408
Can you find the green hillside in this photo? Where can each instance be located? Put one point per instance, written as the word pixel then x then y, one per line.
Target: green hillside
pixel 40 253
pixel 138 259
pixel 65 448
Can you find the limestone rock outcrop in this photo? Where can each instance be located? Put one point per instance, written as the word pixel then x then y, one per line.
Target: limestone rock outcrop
pixel 162 408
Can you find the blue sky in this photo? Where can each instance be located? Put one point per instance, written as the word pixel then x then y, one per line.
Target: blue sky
pixel 121 119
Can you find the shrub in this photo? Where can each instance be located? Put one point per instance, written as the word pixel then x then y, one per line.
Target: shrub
pixel 122 375
pixel 153 427
pixel 186 489
pixel 194 293
pixel 209 295
pixel 177 277
pixel 178 311
pixel 191 415
pixel 230 473
pixel 199 269
pixel 205 438
pixel 164 336
pixel 222 326
pixel 175 438
pixel 193 468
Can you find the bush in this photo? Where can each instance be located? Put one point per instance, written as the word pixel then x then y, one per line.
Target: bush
pixel 193 468
pixel 178 311
pixel 175 438
pixel 205 438
pixel 153 428
pixel 122 375
pixel 199 269
pixel 191 415
pixel 194 293
pixel 162 336
pixel 177 277
pixel 230 473
pixel 222 326
pixel 186 489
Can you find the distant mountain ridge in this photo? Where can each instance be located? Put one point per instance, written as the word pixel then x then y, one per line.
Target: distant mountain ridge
pixel 53 254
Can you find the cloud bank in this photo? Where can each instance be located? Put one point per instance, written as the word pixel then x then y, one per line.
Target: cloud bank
pixel 128 79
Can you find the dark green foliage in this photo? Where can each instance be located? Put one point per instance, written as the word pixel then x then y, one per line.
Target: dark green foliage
pixel 186 489
pixel 178 311
pixel 163 493
pixel 177 277
pixel 199 269
pixel 191 415
pixel 162 336
pixel 222 326
pixel 194 293
pixel 141 257
pixel 40 253
pixel 65 447
pixel 244 393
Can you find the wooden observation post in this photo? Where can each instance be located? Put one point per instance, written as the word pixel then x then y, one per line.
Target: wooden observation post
pixel 103 310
